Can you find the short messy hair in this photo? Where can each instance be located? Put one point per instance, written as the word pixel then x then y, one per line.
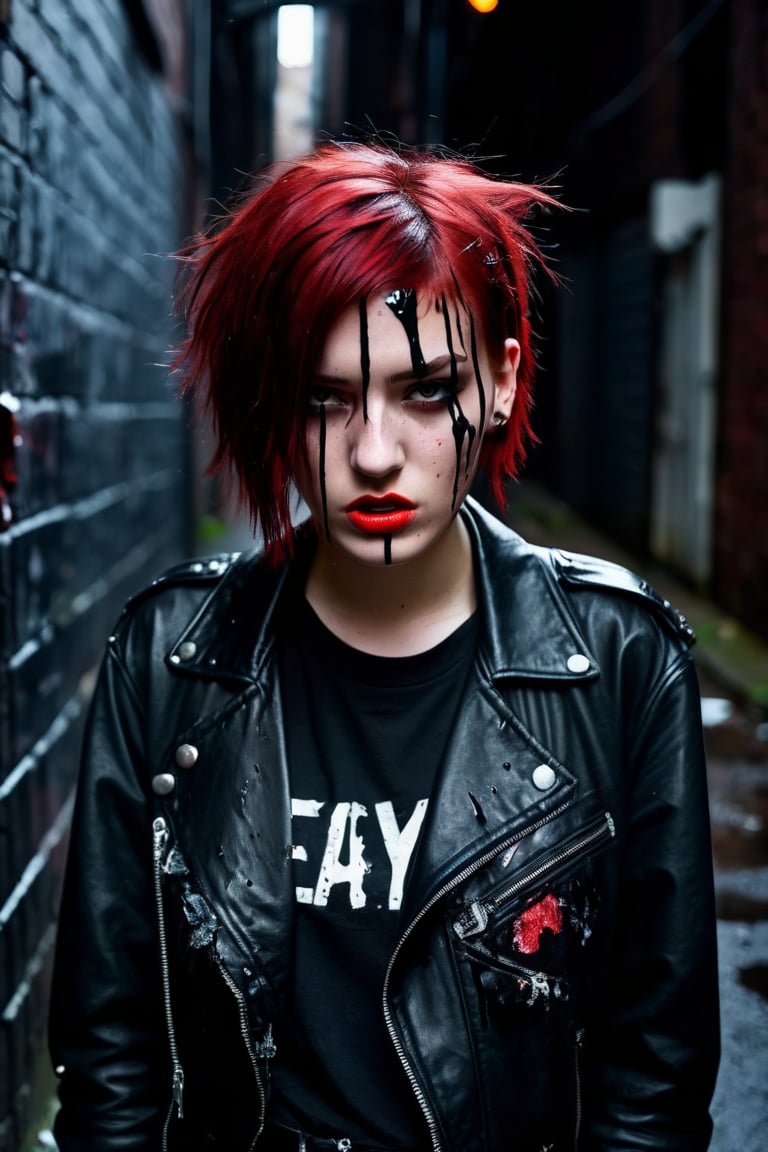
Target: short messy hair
pixel 312 237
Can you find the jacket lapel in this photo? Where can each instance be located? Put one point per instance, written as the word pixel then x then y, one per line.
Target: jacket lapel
pixel 497 779
pixel 496 782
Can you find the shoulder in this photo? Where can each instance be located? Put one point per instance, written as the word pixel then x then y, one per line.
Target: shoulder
pixel 577 572
pixel 212 617
pixel 187 591
pixel 197 575
pixel 186 583
pixel 595 594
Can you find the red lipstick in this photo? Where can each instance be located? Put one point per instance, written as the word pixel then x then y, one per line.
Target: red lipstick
pixel 381 515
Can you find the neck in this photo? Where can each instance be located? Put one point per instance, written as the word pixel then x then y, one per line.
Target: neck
pixel 396 610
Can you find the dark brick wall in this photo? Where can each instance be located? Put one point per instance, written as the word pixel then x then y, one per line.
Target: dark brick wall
pixel 741 557
pixel 92 184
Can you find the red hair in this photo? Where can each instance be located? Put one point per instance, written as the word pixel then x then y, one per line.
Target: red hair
pixel 315 236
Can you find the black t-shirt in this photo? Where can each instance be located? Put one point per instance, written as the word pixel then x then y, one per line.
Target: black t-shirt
pixel 365 738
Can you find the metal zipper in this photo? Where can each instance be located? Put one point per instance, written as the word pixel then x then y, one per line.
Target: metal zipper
pixel 577 1070
pixel 459 878
pixel 475 920
pixel 159 840
pixel 542 983
pixel 242 1012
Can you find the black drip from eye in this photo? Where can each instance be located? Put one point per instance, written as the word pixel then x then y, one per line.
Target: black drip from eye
pixel 321 467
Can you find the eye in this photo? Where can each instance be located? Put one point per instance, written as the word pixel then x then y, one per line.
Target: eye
pixel 430 394
pixel 320 396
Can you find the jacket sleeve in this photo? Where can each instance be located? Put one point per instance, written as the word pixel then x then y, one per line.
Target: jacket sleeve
pixel 659 1041
pixel 106 1024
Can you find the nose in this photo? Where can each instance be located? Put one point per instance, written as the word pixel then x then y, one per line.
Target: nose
pixel 377 446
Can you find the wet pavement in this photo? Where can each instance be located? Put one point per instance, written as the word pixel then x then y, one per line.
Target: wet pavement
pixel 737 753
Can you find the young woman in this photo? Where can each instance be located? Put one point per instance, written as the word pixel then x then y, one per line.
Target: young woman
pixel 392 833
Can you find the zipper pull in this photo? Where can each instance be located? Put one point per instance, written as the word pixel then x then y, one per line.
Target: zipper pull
pixel 472 921
pixel 159 837
pixel 539 987
pixel 266 1049
pixel 178 1090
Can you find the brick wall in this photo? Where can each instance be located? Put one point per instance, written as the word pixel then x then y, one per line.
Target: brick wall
pixel 92 182
pixel 741 559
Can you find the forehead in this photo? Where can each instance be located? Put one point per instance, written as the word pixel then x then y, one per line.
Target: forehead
pixel 391 327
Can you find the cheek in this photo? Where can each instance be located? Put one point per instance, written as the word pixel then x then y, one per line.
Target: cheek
pixel 307 469
pixel 321 464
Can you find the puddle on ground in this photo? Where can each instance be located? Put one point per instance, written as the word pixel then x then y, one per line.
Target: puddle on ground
pixel 738 795
pixel 737 738
pixel 739 843
pixel 755 977
pixel 737 906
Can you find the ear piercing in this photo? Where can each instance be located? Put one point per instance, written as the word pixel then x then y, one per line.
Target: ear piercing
pixel 499 419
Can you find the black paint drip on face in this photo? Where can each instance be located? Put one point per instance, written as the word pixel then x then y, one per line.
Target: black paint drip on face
pixel 459 329
pixel 402 301
pixel 449 342
pixel 460 427
pixel 476 365
pixel 365 356
pixel 321 470
pixel 462 430
pixel 387 549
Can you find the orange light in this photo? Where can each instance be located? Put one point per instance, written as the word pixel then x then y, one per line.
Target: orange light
pixel 484 5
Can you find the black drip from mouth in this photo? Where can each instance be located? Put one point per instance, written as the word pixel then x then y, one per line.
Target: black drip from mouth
pixel 387 549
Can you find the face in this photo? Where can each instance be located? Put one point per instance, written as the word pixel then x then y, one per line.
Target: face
pixel 401 400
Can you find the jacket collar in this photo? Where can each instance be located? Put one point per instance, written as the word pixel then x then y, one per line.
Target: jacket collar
pixel 529 630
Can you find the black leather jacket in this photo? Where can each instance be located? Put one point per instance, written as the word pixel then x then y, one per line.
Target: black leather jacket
pixel 555 983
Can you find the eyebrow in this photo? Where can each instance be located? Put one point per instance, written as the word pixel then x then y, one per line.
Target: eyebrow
pixel 436 365
pixel 433 366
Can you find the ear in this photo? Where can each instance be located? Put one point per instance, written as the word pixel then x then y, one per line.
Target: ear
pixel 505 379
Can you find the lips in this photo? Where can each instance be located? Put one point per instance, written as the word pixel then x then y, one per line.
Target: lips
pixel 381 515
